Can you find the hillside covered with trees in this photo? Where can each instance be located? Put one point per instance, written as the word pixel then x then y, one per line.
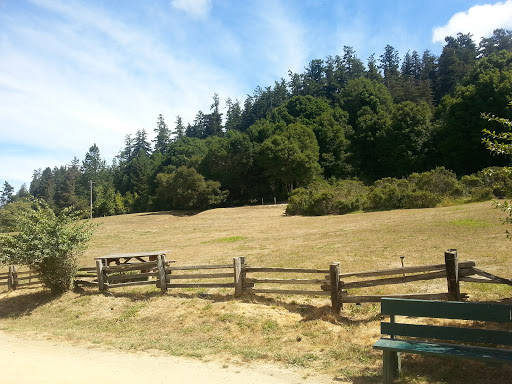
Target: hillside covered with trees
pixel 341 119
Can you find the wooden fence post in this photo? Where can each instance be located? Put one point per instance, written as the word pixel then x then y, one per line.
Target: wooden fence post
pixel 162 275
pixel 9 279
pixel 334 273
pixel 452 274
pixel 101 275
pixel 238 266
pixel 12 278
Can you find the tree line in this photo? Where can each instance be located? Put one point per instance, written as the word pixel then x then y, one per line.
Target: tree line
pixel 339 119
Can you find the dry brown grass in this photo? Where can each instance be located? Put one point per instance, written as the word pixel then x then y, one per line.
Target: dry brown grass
pixel 298 331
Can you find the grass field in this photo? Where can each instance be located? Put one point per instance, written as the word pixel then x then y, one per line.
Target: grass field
pixel 296 331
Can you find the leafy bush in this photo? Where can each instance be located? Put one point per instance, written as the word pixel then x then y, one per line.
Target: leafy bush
pixel 388 193
pixel 439 181
pixel 499 180
pixel 475 188
pixel 322 198
pixel 48 243
pixel 421 199
pixel 187 189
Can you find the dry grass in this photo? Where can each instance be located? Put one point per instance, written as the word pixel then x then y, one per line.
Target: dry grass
pixel 298 331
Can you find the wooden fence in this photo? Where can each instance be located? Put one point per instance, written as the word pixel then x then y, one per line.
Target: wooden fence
pixel 15 278
pixel 248 279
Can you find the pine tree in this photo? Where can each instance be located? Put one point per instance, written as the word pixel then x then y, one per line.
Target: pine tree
pixel 179 130
pixel 7 194
pixel 163 135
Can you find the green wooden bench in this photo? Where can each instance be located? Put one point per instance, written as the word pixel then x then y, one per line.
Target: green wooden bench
pixel 411 338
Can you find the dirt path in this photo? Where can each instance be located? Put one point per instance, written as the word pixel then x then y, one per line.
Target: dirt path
pixel 45 362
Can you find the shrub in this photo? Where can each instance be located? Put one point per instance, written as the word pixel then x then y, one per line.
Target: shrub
pixel 499 180
pixel 421 199
pixel 48 243
pixel 388 193
pixel 439 181
pixel 322 198
pixel 475 188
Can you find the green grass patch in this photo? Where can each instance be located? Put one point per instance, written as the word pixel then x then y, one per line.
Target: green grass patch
pixel 232 239
pixel 470 223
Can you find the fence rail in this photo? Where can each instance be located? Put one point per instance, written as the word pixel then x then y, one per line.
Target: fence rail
pixel 248 279
pixel 15 278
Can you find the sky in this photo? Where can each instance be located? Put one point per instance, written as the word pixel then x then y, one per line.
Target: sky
pixel 74 73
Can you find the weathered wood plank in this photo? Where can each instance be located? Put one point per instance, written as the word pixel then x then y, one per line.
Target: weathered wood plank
pixel 395 280
pixel 335 288
pixel 87 269
pixel 377 298
pixel 497 279
pixel 131 283
pixel 29 277
pixel 2 284
pixel 29 284
pixel 286 270
pixel 399 271
pixel 135 254
pixel 130 267
pixel 289 292
pixel 287 281
pixel 452 273
pixel 110 278
pixel 201 276
pixel 85 275
pixel 100 274
pixel 477 280
pixel 162 274
pixel 196 267
pixel 238 280
pixel 87 282
pixel 201 285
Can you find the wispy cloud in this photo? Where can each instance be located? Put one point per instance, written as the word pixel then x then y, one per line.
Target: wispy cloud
pixel 197 8
pixel 479 20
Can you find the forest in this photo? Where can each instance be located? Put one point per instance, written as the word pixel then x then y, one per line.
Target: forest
pixel 340 120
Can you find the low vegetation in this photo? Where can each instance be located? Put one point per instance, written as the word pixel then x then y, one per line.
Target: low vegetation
pixel 297 331
pixel 48 243
pixel 420 190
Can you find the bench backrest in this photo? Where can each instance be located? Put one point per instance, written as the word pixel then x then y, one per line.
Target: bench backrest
pixel 447 310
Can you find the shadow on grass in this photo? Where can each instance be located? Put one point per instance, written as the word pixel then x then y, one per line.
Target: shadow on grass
pixel 445 370
pixel 24 304
pixel 172 213
pixel 308 312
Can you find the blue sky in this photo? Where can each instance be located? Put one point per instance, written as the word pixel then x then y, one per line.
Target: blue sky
pixel 75 73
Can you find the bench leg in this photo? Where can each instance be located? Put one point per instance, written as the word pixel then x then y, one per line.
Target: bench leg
pixel 391 366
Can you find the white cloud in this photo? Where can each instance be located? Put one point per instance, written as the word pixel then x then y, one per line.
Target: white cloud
pixel 197 8
pixel 479 20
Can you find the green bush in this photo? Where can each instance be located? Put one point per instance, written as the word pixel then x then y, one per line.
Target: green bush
pixel 48 243
pixel 499 180
pixel 475 188
pixel 388 193
pixel 421 199
pixel 322 198
pixel 439 181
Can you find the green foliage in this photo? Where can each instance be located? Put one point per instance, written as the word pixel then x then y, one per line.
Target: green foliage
pixel 439 181
pixel 322 198
pixel 187 189
pixel 48 243
pixel 10 213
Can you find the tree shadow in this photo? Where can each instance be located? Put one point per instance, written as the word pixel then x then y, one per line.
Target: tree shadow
pixel 171 213
pixel 24 304
pixel 307 312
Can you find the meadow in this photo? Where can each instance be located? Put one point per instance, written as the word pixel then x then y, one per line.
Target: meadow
pixel 210 324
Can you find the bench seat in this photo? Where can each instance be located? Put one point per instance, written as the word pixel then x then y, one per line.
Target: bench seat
pixel 443 349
